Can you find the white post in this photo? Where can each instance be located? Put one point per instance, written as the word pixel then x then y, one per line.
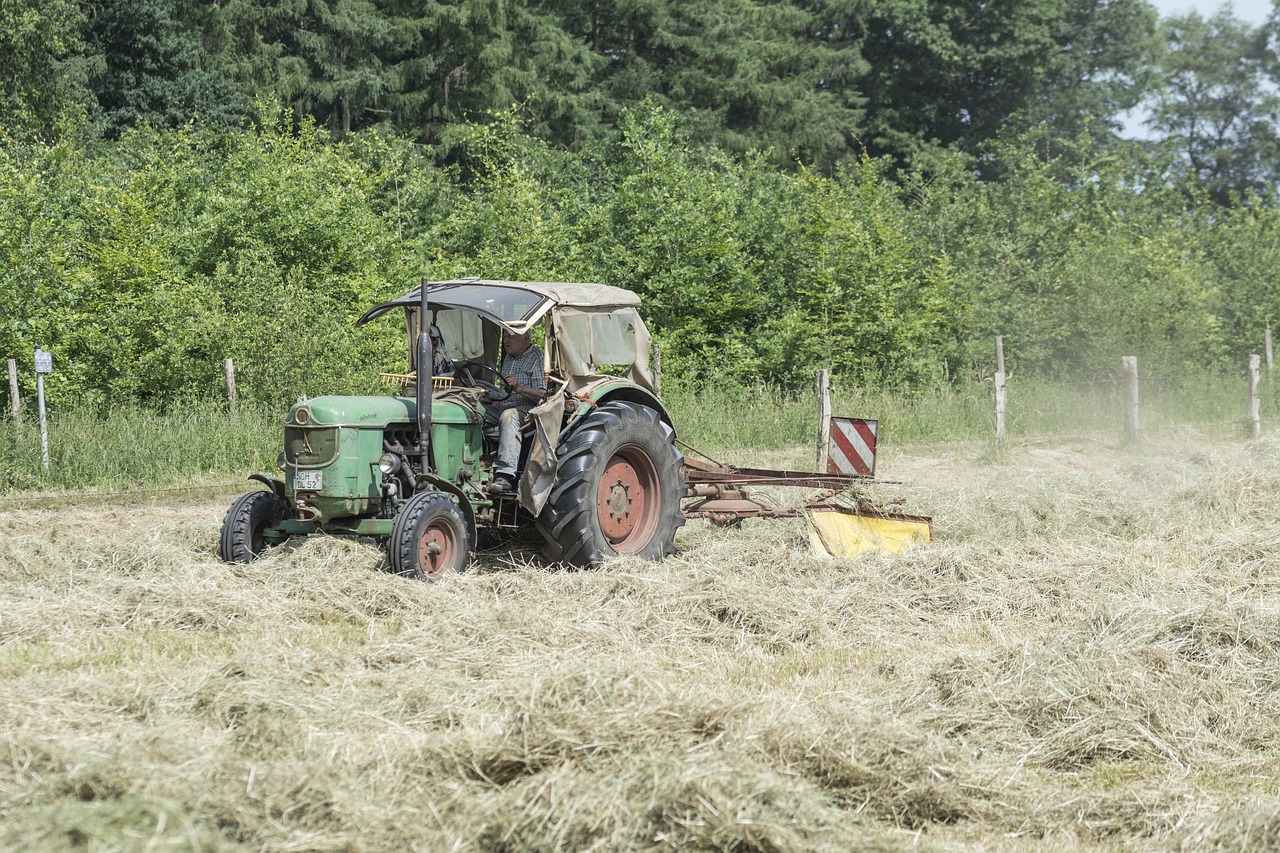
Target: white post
pixel 44 423
pixel 13 391
pixel 229 368
pixel 1270 361
pixel 1255 420
pixel 1000 388
pixel 44 364
pixel 823 384
pixel 1129 364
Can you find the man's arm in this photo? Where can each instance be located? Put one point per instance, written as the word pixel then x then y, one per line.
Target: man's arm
pixel 532 394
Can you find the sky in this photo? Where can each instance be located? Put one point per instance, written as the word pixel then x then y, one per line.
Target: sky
pixel 1251 11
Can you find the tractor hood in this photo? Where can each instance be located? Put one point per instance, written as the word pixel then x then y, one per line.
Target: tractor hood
pixel 372 412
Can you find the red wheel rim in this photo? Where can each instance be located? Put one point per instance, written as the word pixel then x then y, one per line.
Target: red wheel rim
pixel 628 500
pixel 436 549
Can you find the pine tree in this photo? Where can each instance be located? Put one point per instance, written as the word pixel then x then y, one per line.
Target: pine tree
pixel 746 71
pixel 334 60
pixel 465 61
pixel 145 67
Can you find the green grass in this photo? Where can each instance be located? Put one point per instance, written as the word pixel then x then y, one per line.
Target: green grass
pixel 136 449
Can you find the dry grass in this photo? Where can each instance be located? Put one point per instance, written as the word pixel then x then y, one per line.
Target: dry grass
pixel 1087 658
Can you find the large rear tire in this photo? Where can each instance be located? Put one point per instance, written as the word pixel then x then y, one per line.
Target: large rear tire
pixel 241 540
pixel 430 537
pixel 617 491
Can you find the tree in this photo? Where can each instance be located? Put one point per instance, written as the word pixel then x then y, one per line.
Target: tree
pixel 1077 256
pixel 947 74
pixel 1243 244
pixel 347 45
pixel 420 67
pixel 41 74
pixel 952 74
pixel 745 72
pixel 145 68
pixel 1215 104
pixel 1101 70
pixel 477 58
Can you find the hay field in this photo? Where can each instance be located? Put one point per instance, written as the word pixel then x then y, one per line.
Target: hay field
pixel 1088 658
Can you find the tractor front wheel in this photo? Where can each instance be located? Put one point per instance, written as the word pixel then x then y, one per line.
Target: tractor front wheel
pixel 430 537
pixel 250 515
pixel 617 491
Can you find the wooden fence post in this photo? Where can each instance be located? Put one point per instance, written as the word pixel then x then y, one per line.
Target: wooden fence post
pixel 1255 421
pixel 1000 388
pixel 1129 364
pixel 13 392
pixel 229 368
pixel 823 384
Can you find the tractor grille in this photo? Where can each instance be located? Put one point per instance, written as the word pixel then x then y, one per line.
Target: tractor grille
pixel 310 447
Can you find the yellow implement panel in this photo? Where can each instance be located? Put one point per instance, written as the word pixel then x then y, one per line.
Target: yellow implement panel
pixel 842 532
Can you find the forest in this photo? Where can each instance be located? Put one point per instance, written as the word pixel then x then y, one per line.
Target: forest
pixel 876 188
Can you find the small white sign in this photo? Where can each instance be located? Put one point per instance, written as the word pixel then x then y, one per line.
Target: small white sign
pixel 308 481
pixel 44 361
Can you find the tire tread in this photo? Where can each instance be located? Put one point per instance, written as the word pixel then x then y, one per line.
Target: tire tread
pixel 235 539
pixel 402 546
pixel 567 522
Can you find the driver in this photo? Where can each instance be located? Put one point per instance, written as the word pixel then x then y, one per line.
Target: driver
pixel 522 370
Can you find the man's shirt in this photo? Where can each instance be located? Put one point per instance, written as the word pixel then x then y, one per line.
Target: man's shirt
pixel 527 370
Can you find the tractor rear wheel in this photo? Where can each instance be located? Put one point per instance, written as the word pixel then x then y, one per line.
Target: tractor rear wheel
pixel 617 491
pixel 241 540
pixel 430 537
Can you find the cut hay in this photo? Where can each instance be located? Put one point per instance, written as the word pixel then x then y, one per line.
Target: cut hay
pixel 1087 658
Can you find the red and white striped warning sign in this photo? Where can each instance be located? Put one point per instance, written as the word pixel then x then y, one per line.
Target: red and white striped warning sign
pixel 852 448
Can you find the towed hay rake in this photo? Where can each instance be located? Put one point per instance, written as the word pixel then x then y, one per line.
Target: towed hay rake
pixel 841 522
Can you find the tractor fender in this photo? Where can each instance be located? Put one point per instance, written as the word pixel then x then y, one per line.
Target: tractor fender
pixel 444 485
pixel 608 390
pixel 276 486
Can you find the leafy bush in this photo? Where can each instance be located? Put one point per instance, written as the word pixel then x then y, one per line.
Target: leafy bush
pixel 142 266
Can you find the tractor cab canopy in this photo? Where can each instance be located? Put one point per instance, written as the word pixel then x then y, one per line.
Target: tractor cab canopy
pixel 594 330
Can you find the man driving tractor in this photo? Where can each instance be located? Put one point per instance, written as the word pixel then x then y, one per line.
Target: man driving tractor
pixel 523 372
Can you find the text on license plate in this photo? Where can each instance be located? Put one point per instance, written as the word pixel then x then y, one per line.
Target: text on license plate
pixel 307 481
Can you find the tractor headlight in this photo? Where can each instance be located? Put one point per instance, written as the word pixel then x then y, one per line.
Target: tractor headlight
pixel 388 464
pixel 282 461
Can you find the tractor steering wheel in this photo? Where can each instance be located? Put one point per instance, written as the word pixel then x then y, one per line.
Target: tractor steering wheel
pixel 497 389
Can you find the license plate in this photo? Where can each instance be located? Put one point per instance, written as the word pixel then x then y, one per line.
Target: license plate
pixel 307 481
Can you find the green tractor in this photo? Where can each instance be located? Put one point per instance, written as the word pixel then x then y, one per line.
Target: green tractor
pixel 599 472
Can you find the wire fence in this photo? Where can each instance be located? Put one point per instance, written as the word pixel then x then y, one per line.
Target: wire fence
pixel 140 454
pixel 43 499
pixel 1175 407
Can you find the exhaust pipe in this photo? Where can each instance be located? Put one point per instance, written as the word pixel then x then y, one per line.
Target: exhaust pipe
pixel 424 389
